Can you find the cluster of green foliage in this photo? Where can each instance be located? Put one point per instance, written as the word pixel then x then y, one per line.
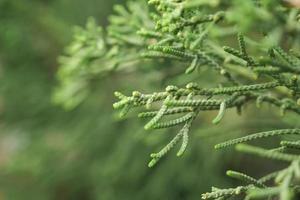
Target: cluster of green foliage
pixel 47 153
pixel 262 67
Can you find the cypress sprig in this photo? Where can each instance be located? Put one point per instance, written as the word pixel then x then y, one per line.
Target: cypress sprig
pixel 181 134
pixel 291 60
pixel 199 41
pixel 193 66
pixel 226 192
pixel 170 111
pixel 243 51
pixel 188 31
pixel 185 141
pixel 290 144
pixel 125 110
pixel 121 103
pixel 242 44
pixel 172 51
pixel 173 122
pixel 151 100
pixel 156 118
pixel 196 20
pixel 267 62
pixel 279 149
pixel 234 52
pixel 149 33
pixel 193 103
pixel 245 178
pixel 242 88
pixel 267 70
pixel 221 113
pixel 155 54
pixel 258 136
pixel 266 153
pixel 240 54
pixel 139 99
pixel 277 102
pixel 157 156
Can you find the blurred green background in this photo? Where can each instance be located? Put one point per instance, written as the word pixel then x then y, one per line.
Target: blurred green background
pixel 87 153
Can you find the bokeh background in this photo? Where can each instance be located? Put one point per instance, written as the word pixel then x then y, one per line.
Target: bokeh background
pixel 88 153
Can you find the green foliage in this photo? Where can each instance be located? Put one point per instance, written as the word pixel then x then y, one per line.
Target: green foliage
pixel 245 178
pixel 95 53
pixel 195 34
pixel 258 136
pixel 47 153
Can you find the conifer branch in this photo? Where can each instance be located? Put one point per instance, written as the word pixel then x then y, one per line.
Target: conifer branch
pixel 258 136
pixel 266 153
pixel 245 178
pixel 188 34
